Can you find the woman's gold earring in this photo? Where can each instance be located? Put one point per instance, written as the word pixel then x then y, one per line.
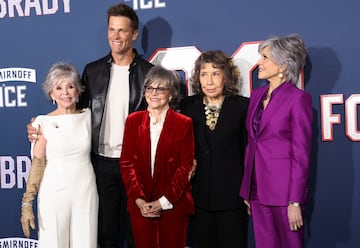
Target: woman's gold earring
pixel 281 75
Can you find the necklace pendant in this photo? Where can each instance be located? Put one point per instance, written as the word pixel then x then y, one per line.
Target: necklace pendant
pixel 212 114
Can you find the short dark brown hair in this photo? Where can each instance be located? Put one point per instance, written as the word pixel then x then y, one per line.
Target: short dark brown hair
pixel 126 11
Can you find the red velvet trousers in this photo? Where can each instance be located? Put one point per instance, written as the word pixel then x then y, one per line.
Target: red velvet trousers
pixel 159 232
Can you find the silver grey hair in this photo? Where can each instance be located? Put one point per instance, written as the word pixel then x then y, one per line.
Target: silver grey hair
pixel 168 77
pixel 288 51
pixel 61 71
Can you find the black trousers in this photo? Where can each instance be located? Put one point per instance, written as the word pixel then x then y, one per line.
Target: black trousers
pixel 220 229
pixel 114 228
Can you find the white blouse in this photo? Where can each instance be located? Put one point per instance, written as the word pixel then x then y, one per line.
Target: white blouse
pixel 155 131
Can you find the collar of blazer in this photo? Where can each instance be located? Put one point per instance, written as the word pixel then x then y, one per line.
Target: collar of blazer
pixel 274 105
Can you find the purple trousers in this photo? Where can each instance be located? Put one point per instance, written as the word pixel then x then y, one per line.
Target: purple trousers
pixel 271 227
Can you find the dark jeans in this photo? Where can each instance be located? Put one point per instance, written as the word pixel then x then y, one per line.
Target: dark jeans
pixel 114 228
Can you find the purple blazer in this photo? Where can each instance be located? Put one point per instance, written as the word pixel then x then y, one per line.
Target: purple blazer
pixel 281 149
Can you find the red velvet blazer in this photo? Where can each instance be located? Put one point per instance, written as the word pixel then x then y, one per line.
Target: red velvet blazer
pixel 173 162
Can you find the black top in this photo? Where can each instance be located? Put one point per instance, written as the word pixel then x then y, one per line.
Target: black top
pixel 219 153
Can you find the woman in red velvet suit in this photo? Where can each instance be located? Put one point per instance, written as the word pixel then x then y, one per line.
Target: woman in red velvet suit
pixel 156 160
pixel 277 157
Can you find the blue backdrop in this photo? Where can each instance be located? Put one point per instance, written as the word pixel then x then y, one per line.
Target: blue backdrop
pixel 36 33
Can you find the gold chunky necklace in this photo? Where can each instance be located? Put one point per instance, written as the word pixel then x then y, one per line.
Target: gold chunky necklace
pixel 212 113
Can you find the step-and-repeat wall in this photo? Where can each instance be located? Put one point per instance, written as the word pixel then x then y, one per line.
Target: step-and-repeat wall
pixel 34 34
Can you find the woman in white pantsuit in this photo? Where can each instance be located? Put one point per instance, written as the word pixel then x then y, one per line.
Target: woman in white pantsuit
pixel 61 170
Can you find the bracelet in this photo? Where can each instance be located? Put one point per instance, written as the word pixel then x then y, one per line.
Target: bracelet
pixel 26 204
pixel 295 204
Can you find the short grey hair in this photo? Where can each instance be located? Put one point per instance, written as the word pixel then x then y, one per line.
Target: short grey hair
pixel 168 77
pixel 288 51
pixel 61 71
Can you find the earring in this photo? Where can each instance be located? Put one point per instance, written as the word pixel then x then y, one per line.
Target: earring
pixel 53 102
pixel 281 75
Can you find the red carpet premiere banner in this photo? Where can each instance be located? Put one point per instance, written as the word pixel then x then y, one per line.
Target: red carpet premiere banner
pixel 37 33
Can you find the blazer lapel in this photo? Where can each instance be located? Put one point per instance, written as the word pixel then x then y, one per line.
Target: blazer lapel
pixel 256 100
pixel 145 145
pixel 274 105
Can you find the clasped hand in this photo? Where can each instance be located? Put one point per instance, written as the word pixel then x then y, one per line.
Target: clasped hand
pixel 149 209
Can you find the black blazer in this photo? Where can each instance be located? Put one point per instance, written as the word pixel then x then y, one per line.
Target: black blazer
pixel 219 153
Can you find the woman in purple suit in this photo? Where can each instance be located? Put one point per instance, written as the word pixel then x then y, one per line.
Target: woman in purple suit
pixel 277 156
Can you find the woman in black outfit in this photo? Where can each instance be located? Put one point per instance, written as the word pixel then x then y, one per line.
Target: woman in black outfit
pixel 218 115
